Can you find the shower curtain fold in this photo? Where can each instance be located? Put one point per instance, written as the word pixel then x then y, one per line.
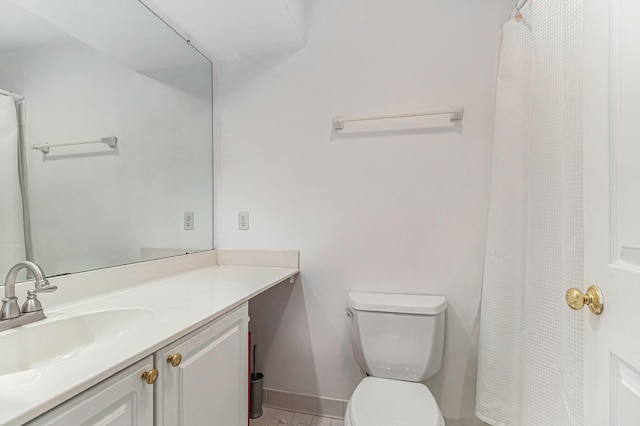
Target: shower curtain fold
pixel 530 344
pixel 12 242
pixel 500 375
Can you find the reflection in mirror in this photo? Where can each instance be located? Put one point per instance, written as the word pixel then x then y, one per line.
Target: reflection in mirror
pixel 78 72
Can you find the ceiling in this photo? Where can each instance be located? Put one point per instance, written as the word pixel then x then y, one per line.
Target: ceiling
pixel 20 28
pixel 124 30
pixel 232 29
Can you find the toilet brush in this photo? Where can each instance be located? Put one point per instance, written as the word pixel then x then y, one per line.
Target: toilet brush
pixel 255 405
pixel 253 364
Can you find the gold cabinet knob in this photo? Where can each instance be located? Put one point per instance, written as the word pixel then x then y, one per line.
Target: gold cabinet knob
pixel 150 376
pixel 175 360
pixel 593 298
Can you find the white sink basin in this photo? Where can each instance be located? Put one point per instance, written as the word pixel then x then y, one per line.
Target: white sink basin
pixel 55 339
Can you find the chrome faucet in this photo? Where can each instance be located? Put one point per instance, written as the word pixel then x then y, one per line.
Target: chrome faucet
pixel 10 314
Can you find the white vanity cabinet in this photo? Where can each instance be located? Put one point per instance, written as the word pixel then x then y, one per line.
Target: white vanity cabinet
pixel 123 399
pixel 209 384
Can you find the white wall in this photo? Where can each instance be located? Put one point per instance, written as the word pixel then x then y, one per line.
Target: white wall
pixel 388 206
pixel 92 206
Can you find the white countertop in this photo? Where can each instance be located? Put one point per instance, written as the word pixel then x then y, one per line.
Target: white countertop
pixel 180 304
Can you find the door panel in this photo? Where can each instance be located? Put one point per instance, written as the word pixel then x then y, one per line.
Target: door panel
pixel 624 130
pixel 210 382
pixel 121 400
pixel 612 210
pixel 625 393
pixel 209 385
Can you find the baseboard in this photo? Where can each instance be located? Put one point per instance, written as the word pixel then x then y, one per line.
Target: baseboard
pixel 303 403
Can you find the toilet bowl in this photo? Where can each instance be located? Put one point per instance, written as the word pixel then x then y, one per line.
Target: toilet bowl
pixel 388 402
pixel 398 341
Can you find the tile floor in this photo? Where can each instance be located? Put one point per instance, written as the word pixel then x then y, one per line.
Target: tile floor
pixel 273 417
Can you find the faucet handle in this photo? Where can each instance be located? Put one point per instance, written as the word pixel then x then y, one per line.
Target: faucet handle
pixel 49 288
pixel 43 286
pixel 32 304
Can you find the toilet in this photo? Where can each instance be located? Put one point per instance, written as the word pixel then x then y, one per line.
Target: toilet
pixel 398 341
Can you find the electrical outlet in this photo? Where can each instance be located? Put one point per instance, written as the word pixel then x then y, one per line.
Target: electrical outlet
pixel 188 221
pixel 243 221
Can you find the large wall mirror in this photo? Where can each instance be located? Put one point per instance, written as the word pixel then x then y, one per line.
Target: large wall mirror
pixel 111 73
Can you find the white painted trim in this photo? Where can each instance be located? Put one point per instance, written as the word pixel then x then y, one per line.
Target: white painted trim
pixel 613 134
pixel 326 407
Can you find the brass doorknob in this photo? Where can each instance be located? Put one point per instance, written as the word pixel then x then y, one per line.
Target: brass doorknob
pixel 593 297
pixel 150 376
pixel 175 360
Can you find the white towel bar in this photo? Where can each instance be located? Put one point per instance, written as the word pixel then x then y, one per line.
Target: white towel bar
pixel 112 141
pixel 455 113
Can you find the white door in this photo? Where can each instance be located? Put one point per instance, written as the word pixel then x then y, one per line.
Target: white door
pixel 612 210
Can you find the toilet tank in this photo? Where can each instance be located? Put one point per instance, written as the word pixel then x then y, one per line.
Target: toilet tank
pixel 397 336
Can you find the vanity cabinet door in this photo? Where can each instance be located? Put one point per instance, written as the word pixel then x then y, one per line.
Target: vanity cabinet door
pixel 209 384
pixel 123 399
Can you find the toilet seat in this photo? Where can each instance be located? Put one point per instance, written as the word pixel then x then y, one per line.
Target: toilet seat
pixel 384 402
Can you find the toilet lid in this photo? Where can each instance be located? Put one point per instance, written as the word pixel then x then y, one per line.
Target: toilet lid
pixel 384 402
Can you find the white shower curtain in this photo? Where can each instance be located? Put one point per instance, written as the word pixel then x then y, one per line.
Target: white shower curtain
pixel 530 349
pixel 12 244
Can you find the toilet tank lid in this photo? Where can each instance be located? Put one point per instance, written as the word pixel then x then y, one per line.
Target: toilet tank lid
pixel 421 304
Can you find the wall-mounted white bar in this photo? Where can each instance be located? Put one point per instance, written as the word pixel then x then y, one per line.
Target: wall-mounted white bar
pixel 15 96
pixel 455 113
pixel 112 141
